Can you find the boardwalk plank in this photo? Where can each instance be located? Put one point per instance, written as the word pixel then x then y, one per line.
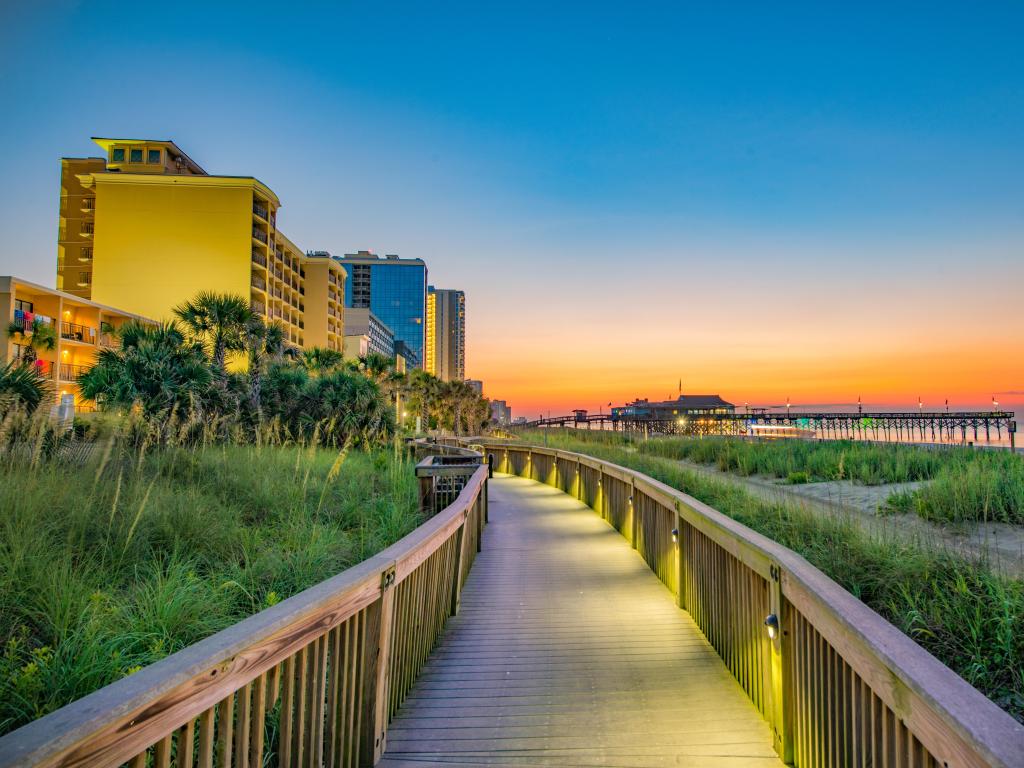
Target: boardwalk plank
pixel 568 651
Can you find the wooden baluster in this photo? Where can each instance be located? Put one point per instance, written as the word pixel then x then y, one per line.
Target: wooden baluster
pixel 287 712
pixel 242 725
pixel 162 753
pixel 186 745
pixel 225 715
pixel 206 736
pixel 376 657
pixel 259 714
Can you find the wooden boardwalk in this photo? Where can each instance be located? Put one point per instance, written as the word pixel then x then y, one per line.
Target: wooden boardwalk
pixel 568 651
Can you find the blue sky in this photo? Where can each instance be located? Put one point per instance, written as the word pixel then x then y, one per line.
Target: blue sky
pixel 525 149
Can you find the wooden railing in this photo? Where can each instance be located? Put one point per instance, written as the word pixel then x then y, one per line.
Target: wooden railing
pixel 314 679
pixel 443 472
pixel 837 683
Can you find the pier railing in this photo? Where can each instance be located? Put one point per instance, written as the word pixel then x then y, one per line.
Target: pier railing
pixel 316 678
pixel 837 683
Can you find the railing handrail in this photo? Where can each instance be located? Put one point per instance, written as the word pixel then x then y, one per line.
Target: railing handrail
pixel 956 719
pixel 155 700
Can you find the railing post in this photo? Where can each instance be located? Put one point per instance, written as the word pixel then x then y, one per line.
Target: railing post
pixel 460 558
pixel 376 656
pixel 678 527
pixel 634 523
pixel 781 653
pixel 426 494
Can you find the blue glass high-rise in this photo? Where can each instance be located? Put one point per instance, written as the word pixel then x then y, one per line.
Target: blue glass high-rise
pixel 395 290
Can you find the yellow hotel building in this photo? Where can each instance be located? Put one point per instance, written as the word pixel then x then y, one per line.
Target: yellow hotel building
pixel 145 228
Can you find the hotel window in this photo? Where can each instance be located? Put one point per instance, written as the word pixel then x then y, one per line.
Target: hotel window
pixel 135 155
pixel 117 155
pixel 23 306
pixel 153 156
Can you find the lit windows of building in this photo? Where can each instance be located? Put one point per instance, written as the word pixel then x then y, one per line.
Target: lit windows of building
pixel 445 344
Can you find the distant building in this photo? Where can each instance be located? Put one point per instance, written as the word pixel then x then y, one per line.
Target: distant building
pixel 356 346
pixel 362 322
pixel 501 414
pixel 668 410
pixel 395 290
pixel 476 385
pixel 518 419
pixel 445 341
pixel 403 351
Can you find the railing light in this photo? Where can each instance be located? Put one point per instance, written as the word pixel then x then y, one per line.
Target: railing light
pixel 772 624
pixel 675 535
pixel 630 499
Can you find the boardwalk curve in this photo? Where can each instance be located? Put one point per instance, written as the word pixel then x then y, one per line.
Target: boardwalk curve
pixel 569 651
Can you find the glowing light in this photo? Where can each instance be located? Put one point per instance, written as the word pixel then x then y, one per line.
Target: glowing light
pixel 675 535
pixel 772 624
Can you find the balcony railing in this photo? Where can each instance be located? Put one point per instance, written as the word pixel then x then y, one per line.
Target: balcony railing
pixel 259 258
pixel 88 204
pixel 259 282
pixel 23 325
pixel 260 210
pixel 70 372
pixel 108 340
pixel 259 308
pixel 87 229
pixel 259 234
pixel 76 332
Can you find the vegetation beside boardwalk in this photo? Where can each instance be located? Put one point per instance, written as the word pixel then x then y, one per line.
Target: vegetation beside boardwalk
pixel 111 564
pixel 963 484
pixel 968 616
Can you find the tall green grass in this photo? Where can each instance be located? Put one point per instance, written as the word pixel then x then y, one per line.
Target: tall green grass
pixel 964 484
pixel 988 486
pixel 865 463
pixel 965 614
pixel 110 564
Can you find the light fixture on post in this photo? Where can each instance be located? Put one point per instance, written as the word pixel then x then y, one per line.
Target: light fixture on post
pixel 772 624
pixel 675 535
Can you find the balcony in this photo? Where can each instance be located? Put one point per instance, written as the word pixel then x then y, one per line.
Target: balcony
pixel 75 332
pixel 259 234
pixel 108 339
pixel 260 210
pixel 259 258
pixel 259 283
pixel 88 204
pixel 85 255
pixel 302 290
pixel 259 308
pixel 69 372
pixel 23 326
pixel 87 229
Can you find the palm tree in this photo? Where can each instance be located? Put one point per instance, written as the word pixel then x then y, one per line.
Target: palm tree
pixel 39 336
pixel 321 360
pixel 348 408
pixel 23 384
pixel 157 367
pixel 262 340
pixel 219 321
